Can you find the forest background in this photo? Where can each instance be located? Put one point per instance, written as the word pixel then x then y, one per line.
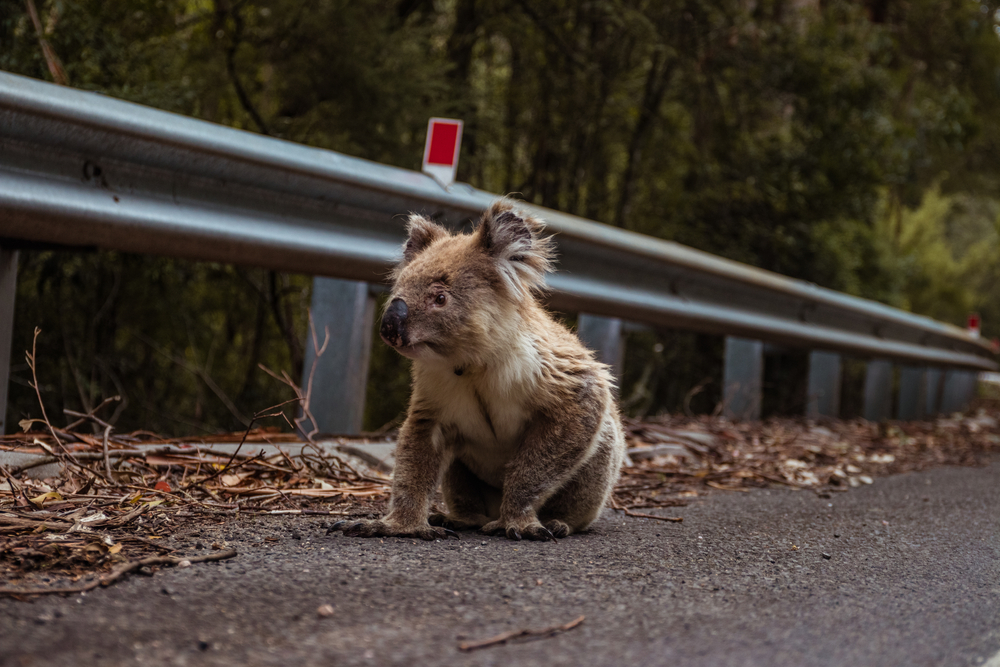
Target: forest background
pixel 853 144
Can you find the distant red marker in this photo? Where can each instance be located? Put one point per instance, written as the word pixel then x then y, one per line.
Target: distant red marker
pixel 974 324
pixel 444 141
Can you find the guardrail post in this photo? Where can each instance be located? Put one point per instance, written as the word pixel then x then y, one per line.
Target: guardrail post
pixel 8 287
pixel 604 336
pixel 346 309
pixel 823 398
pixel 934 387
pixel 742 378
pixel 959 389
pixel 878 390
pixel 912 403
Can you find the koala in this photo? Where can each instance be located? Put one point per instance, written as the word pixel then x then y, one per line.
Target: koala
pixel 509 412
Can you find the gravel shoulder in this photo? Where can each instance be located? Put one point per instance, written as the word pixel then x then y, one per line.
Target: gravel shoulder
pixel 903 572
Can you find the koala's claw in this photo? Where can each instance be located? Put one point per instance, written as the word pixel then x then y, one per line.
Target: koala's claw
pixel 534 531
pixel 558 528
pixel 362 529
pixel 539 533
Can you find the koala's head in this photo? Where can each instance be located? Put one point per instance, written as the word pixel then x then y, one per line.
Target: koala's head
pixel 454 294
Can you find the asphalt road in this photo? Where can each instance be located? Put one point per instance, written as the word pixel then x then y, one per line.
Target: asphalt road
pixel 912 578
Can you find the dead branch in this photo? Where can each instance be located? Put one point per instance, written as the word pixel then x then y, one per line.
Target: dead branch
pixel 256 416
pixel 118 572
pixel 55 66
pixel 305 397
pixel 526 635
pixel 38 393
pixel 372 460
pixel 639 515
pixel 92 413
pixel 96 456
pixel 780 480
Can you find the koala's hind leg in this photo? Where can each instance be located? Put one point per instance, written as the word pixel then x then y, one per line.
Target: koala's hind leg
pixel 554 450
pixel 467 497
pixel 580 501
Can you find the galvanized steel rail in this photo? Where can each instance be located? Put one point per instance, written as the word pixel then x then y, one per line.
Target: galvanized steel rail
pixel 82 169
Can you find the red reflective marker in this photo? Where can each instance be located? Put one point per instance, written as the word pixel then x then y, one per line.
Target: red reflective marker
pixel 444 140
pixel 974 324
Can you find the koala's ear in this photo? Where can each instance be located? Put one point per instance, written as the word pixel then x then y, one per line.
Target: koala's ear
pixel 514 240
pixel 422 232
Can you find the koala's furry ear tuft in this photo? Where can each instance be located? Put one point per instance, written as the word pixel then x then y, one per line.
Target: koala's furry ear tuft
pixel 422 232
pixel 514 239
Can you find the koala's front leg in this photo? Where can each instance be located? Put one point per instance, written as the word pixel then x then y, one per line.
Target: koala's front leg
pixel 414 478
pixel 551 452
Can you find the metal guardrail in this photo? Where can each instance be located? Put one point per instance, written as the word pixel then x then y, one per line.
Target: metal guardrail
pixel 79 168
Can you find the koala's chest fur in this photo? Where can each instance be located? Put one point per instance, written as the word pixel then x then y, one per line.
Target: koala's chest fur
pixel 482 416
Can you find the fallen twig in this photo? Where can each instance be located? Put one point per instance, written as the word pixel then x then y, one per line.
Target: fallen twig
pixel 520 634
pixel 372 460
pixel 308 512
pixel 34 385
pixel 107 432
pixel 118 572
pixel 781 480
pixel 257 415
pixel 85 416
pixel 107 460
pixel 639 515
pixel 91 456
pixel 143 540
pixel 304 397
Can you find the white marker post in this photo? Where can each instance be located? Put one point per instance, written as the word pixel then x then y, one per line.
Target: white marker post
pixel 974 324
pixel 444 139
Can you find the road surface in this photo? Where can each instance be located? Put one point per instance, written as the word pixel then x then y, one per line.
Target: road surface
pixel 904 572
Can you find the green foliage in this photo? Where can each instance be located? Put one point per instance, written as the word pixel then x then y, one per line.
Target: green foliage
pixel 947 253
pixel 849 143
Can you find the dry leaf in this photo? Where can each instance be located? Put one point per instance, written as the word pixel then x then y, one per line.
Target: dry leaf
pixel 229 480
pixel 25 424
pixel 51 496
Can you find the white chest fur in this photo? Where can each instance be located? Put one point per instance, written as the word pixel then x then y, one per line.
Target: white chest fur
pixel 489 410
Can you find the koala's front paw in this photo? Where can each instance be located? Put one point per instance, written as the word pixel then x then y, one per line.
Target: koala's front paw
pixel 517 530
pixel 380 528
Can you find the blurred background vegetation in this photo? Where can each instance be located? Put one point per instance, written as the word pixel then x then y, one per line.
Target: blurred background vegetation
pixel 851 143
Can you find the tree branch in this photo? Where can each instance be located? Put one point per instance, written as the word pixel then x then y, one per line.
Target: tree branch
pixel 233 12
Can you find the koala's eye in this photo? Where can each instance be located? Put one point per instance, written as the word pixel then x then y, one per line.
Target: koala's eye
pixel 441 299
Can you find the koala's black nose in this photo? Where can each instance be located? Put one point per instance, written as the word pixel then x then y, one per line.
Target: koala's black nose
pixel 393 327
